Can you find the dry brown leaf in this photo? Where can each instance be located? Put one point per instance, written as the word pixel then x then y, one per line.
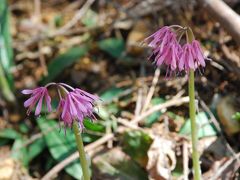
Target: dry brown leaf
pixel 161 158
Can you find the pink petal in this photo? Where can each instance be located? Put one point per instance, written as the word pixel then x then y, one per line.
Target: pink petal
pixel 94 97
pixel 73 110
pixel 80 105
pixel 200 57
pixel 39 105
pixel 48 101
pixel 190 57
pixel 30 101
pixel 162 56
pixel 65 108
pixel 80 116
pixel 182 61
pixel 27 91
pixel 174 60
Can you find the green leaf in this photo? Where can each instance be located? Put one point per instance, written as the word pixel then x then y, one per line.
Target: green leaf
pixel 136 144
pixel 5 39
pixel 6 54
pixel 115 164
pixel 110 94
pixel 9 134
pixel 155 116
pixel 63 61
pixel 113 46
pixel 93 126
pixel 23 128
pixel 19 151
pixel 205 128
pixel 58 20
pixel 90 18
pixel 36 148
pixel 236 116
pixel 60 145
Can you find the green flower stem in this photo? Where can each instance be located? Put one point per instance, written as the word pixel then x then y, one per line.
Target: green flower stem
pixel 194 133
pixel 80 147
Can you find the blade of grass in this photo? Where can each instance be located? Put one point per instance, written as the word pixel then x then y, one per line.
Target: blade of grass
pixel 6 54
pixel 4 86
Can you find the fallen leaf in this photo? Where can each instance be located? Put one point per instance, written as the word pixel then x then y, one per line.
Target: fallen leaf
pixel 161 158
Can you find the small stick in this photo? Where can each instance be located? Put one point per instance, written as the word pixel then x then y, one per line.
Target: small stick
pixel 172 102
pixel 224 167
pixel 42 59
pixel 127 123
pixel 80 13
pixel 138 102
pixel 151 90
pixel 109 131
pixel 228 18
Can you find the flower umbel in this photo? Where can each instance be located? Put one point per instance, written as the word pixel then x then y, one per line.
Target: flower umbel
pixel 38 95
pixel 77 105
pixel 74 104
pixel 165 48
pixel 168 51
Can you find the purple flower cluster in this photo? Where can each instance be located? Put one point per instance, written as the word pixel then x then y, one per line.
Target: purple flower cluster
pixel 167 50
pixel 75 106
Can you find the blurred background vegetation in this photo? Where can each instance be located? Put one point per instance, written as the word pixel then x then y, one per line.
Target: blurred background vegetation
pixel 142 131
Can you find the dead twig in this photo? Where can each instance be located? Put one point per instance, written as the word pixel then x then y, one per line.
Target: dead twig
pixel 225 166
pixel 127 123
pixel 229 19
pixel 172 102
pixel 80 13
pixel 139 101
pixel 151 90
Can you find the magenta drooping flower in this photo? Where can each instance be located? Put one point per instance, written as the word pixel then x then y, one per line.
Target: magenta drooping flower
pixel 169 56
pixel 77 105
pixel 38 95
pixel 166 49
pixel 198 54
pixel 191 57
pixel 74 104
pixel 66 117
pixel 186 61
pixel 161 38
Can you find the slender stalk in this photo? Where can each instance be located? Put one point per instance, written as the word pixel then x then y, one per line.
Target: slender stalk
pixel 80 147
pixel 194 133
